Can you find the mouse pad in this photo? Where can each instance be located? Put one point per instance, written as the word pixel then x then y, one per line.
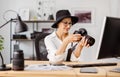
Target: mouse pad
pixel 88 70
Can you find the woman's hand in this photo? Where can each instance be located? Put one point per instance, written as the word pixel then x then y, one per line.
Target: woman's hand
pixel 73 38
pixel 80 45
pixel 83 42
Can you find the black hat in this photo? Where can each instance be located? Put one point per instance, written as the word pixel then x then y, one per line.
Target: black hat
pixel 61 14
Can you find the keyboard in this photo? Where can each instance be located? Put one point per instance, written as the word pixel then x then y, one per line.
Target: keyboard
pixel 92 65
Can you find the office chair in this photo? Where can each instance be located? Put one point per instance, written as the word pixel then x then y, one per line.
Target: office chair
pixel 41 52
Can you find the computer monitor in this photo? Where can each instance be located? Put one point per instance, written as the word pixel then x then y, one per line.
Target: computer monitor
pixel 110 42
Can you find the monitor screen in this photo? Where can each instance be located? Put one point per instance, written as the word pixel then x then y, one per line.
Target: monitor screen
pixel 110 42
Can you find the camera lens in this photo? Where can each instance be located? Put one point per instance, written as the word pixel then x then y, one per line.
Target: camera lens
pixel 90 40
pixel 18 60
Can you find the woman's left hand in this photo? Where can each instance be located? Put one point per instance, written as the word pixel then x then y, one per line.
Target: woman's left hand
pixel 83 42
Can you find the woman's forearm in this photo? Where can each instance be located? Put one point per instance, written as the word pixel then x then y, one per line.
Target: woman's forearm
pixel 78 50
pixel 62 48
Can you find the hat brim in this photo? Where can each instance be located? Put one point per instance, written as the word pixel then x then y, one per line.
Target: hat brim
pixel 74 20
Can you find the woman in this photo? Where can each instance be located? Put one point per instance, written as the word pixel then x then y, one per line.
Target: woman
pixel 58 42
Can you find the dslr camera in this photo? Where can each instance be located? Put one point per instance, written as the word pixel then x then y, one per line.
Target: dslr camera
pixel 83 32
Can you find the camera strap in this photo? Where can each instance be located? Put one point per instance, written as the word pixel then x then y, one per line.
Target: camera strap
pixel 70 50
pixel 69 54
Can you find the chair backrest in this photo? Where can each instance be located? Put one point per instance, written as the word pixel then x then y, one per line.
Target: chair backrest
pixel 41 52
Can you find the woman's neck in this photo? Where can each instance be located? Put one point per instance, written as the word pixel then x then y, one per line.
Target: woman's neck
pixel 61 35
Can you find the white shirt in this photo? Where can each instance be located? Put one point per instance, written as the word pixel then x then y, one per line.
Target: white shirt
pixel 52 43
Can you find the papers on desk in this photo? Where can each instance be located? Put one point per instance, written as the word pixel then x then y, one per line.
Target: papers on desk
pixel 46 67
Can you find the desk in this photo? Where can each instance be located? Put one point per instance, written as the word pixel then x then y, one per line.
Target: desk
pixel 112 74
pixel 65 73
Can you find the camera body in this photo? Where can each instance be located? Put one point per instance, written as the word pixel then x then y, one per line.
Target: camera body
pixel 83 32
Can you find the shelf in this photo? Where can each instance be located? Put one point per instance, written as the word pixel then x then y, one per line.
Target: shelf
pixel 22 39
pixel 35 26
pixel 37 21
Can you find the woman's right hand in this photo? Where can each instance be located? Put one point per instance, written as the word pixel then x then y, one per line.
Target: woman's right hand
pixel 73 38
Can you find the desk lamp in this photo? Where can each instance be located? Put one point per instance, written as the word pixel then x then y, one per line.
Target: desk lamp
pixel 20 27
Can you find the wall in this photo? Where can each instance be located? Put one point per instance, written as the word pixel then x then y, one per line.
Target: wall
pixel 101 8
